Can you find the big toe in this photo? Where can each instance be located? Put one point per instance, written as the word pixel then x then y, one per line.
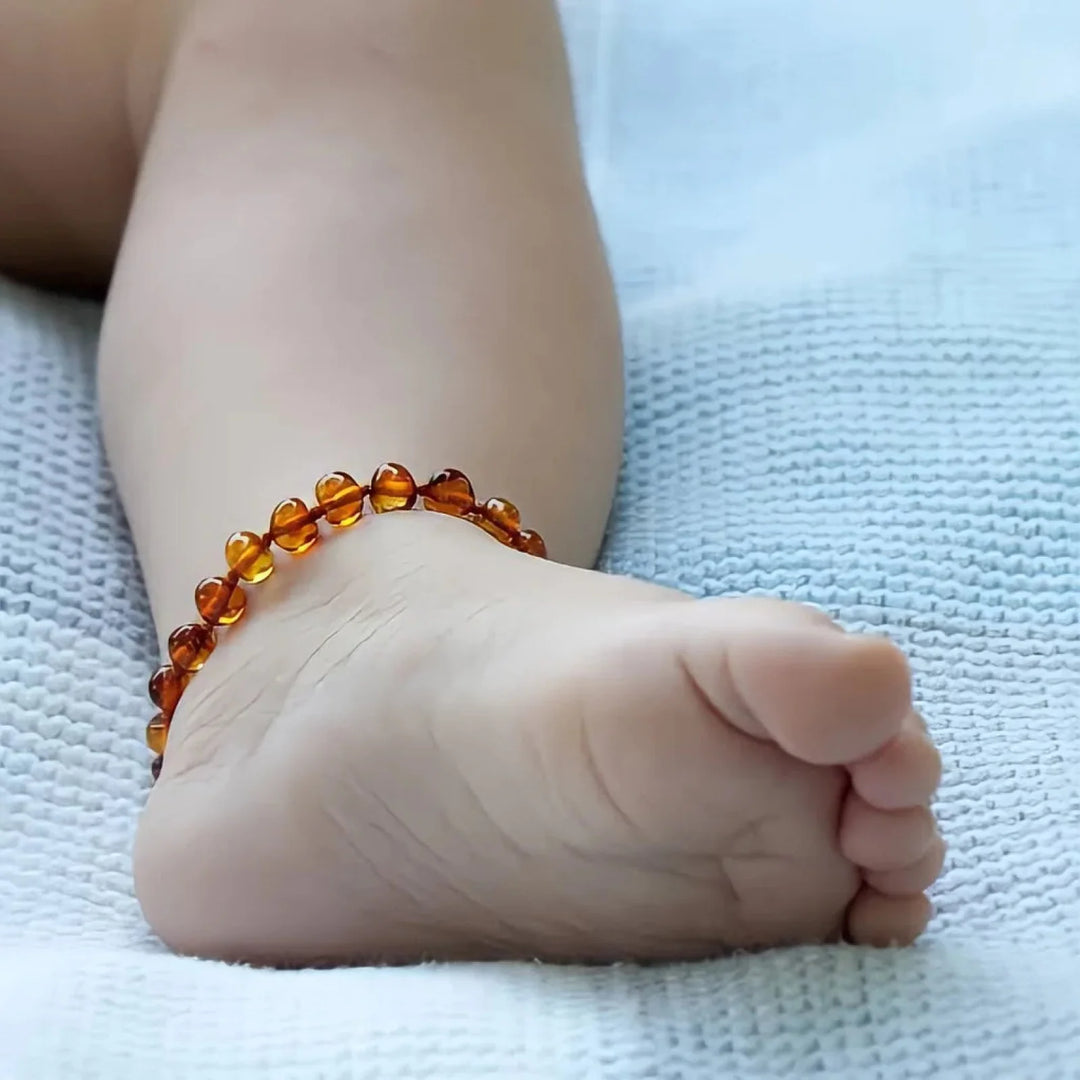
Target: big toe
pixel 825 697
pixel 877 919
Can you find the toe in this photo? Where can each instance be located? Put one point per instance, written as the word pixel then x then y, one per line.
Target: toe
pixel 874 919
pixel 910 880
pixel 826 698
pixel 904 773
pixel 884 839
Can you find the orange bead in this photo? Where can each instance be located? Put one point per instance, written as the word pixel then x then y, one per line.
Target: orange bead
pixel 157 732
pixel 392 488
pixel 500 518
pixel 341 497
pixel 165 687
pixel 155 766
pixel 191 645
pixel 291 527
pixel 532 543
pixel 246 553
pixel 502 513
pixel 449 492
pixel 219 601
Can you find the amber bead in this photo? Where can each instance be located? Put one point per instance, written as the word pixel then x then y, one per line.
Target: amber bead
pixel 532 543
pixel 157 732
pixel 246 553
pixel 449 492
pixel 502 513
pixel 341 497
pixel 219 601
pixel 165 687
pixel 292 528
pixel 500 518
pixel 392 488
pixel 190 645
pixel 155 766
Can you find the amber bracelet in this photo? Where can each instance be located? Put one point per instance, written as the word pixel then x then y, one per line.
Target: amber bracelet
pixel 294 528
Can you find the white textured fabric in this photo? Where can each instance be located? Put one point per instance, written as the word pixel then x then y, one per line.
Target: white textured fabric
pixel 847 242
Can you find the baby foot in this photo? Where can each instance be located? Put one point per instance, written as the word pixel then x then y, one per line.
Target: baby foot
pixel 424 744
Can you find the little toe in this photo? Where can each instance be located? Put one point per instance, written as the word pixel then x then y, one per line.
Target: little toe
pixel 884 839
pixel 874 919
pixel 910 880
pixel 826 698
pixel 904 773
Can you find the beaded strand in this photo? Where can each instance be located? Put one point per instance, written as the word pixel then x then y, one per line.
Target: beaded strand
pixel 221 601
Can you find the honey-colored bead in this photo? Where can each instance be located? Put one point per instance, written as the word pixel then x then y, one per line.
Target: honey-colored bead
pixel 155 767
pixel 499 518
pixel 502 513
pixel 392 488
pixel 341 497
pixel 191 645
pixel 165 687
pixel 246 553
pixel 157 733
pixel 449 492
pixel 532 543
pixel 219 601
pixel 291 527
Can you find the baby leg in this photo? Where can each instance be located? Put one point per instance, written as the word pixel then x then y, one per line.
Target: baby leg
pixel 361 233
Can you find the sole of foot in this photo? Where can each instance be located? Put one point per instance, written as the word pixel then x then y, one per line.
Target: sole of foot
pixel 422 744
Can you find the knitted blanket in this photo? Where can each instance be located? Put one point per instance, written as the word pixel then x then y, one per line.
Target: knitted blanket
pixel 847 243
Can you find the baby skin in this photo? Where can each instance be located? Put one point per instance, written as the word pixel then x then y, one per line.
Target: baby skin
pixel 357 230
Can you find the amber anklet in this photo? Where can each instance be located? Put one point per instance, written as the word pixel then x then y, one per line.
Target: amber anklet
pixel 294 528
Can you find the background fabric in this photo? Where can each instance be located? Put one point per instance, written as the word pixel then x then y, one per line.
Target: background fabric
pixel 847 243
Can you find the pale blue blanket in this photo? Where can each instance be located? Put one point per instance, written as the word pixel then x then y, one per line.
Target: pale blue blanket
pixel 847 241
